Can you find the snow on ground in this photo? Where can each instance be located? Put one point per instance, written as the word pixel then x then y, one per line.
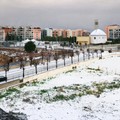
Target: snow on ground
pixel 45 100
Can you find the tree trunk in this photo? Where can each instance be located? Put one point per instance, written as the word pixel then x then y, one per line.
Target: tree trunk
pixel 71 60
pixel 56 64
pixel 64 61
pixel 47 65
pixel 23 72
pixel 6 73
pixel 88 55
pixel 78 58
pixel 36 69
pixel 83 57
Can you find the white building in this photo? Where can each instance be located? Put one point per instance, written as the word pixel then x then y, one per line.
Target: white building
pixel 49 32
pixel 98 36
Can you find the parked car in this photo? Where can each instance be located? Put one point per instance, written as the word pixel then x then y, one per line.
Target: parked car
pixel 3 78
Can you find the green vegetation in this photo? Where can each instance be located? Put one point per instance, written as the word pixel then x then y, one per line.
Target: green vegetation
pixel 63 41
pixel 78 90
pixel 22 85
pixel 43 91
pixel 30 47
pixel 69 71
pixel 95 69
pixel 8 92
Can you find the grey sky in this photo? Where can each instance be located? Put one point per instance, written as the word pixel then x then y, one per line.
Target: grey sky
pixel 70 14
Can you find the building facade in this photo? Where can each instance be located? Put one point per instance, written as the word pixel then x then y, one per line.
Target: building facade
pixel 113 31
pixel 98 36
pixel 2 35
pixel 83 40
pixel 57 32
pixel 21 33
pixel 37 33
pixel 80 32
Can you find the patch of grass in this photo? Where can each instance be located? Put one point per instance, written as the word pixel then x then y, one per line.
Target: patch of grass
pixel 59 97
pixel 22 85
pixel 94 69
pixel 41 92
pixel 9 92
pixel 34 83
pixel 69 71
pixel 78 90
pixel 72 96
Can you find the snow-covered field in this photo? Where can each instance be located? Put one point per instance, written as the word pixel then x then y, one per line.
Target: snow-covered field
pixel 89 92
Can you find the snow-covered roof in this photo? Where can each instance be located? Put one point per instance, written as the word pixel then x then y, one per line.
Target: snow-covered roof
pixel 33 40
pixel 25 41
pixel 98 32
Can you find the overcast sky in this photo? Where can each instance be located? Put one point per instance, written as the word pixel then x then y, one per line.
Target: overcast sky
pixel 68 14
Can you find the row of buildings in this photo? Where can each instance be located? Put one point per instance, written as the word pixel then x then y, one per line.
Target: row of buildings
pixel 22 33
pixel 98 36
pixel 83 36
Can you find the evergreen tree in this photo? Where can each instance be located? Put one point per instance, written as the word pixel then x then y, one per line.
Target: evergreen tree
pixel 30 47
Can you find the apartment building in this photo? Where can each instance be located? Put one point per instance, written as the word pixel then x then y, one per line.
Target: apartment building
pixel 57 32
pixel 2 34
pixel 47 32
pixel 69 33
pixel 5 33
pixel 28 32
pixel 21 33
pixel 36 33
pixel 80 32
pixel 113 31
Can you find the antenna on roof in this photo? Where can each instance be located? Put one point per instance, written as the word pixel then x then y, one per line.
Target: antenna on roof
pixel 96 23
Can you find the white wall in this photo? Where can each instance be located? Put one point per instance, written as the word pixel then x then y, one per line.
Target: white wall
pixel 98 40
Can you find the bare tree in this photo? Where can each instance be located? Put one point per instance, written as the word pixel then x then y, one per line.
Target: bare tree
pixel 71 53
pixel 35 62
pixel 6 65
pixel 96 51
pixel 56 57
pixel 48 55
pixel 64 56
pixel 78 53
pixel 22 61
pixel 30 58
pixel 83 55
pixel 88 52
